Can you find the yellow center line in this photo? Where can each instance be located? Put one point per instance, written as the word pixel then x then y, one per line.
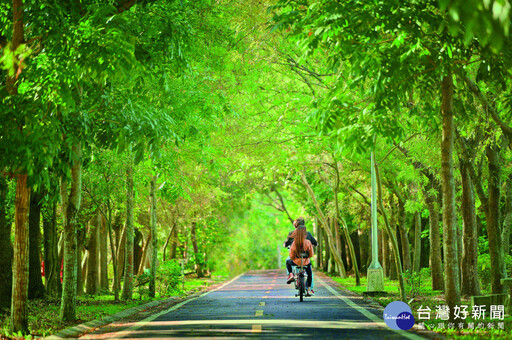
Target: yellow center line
pixel 256 328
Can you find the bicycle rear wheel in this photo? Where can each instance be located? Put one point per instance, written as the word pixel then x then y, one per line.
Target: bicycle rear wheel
pixel 302 288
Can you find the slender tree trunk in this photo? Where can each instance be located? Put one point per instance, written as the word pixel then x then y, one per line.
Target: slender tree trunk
pixel 417 242
pixel 451 265
pixel 103 253
pixel 393 273
pixel 507 220
pixel 121 255
pixel 493 226
pixel 324 223
pixel 115 286
pixel 80 239
pixel 169 239
pixel 384 245
pixel 470 284
pixel 341 268
pixel 391 235
pixel 35 283
pixel 146 246
pixel 436 267
pixel 337 257
pixel 6 246
pixel 327 250
pixel 51 252
pixel 92 286
pixel 129 248
pixel 175 241
pixel 319 252
pixel 68 301
pixel 404 237
pixel 19 317
pixel 197 254
pixel 154 239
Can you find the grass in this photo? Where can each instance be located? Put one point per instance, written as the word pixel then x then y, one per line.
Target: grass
pixel 420 295
pixel 44 313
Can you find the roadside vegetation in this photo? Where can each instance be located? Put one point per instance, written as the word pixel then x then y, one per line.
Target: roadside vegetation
pixel 140 137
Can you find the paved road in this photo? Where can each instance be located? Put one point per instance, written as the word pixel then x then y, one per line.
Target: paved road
pixel 260 304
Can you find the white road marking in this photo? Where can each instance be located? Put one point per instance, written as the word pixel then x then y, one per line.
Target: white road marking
pixel 366 312
pixel 120 334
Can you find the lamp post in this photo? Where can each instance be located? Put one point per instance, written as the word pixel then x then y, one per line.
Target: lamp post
pixel 375 273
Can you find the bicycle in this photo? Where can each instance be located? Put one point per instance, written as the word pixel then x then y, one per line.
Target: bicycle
pixel 300 282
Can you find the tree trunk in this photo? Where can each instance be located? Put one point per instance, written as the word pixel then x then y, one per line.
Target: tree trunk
pixel 154 239
pixel 404 237
pixel 80 239
pixel 113 254
pixel 417 242
pixel 341 268
pixel 175 241
pixel 129 248
pixel 35 283
pixel 51 252
pixel 337 257
pixel 142 263
pixel 6 246
pixel 343 252
pixel 507 220
pixel 92 286
pixel 319 252
pixel 363 247
pixel 451 267
pixel 103 253
pixel 393 273
pixel 384 245
pixel 436 267
pixel 121 255
pixel 19 293
pixel 325 225
pixel 391 235
pixel 169 239
pixel 198 256
pixel 493 219
pixel 470 284
pixel 19 317
pixel 327 250
pixel 68 301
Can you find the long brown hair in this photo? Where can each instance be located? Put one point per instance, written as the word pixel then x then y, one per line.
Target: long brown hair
pixel 299 236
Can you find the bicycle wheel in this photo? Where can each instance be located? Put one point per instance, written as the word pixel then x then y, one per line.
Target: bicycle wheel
pixel 301 288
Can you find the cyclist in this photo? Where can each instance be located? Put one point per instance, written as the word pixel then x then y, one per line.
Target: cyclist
pixel 298 222
pixel 301 244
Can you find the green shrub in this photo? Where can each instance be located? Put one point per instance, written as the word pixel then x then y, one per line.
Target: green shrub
pixel 413 281
pixel 484 269
pixel 169 275
pixel 141 283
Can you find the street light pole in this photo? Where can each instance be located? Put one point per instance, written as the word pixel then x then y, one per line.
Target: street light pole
pixel 375 273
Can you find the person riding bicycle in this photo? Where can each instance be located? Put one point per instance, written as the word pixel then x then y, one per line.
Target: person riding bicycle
pixel 301 245
pixel 298 222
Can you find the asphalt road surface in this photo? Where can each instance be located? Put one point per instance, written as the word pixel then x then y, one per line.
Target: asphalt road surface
pixel 260 304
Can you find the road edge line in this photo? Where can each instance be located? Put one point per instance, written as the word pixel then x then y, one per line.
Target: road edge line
pixel 369 315
pixel 142 323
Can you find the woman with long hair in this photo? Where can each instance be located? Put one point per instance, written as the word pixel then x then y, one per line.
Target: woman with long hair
pixel 300 245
